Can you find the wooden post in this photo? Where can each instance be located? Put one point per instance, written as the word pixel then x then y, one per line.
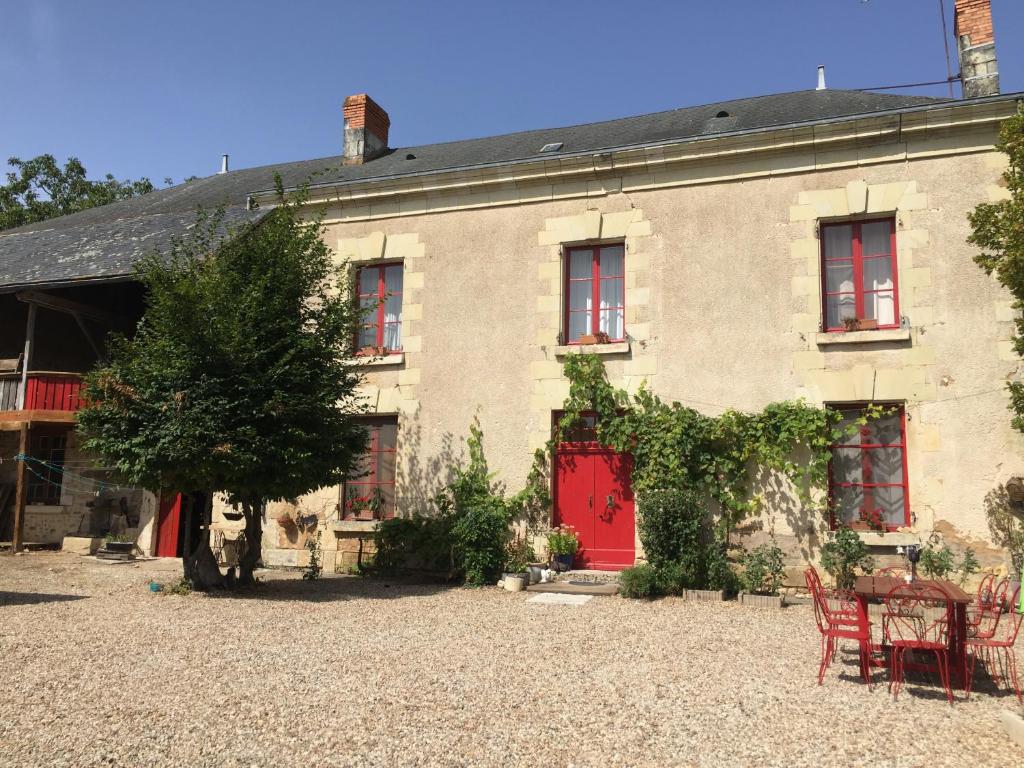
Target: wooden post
pixel 30 332
pixel 21 492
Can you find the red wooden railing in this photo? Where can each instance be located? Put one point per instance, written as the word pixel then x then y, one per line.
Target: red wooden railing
pixel 44 391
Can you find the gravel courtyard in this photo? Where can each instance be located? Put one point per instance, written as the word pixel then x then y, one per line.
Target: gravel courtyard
pixel 96 670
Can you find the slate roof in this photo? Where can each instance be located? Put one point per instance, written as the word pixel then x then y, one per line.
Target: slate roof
pixel 103 243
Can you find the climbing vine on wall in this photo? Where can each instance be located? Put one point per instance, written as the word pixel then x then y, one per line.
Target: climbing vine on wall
pixel 676 447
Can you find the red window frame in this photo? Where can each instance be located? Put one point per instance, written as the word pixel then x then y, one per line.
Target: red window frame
pixel 361 488
pixel 866 469
pixel 380 294
pixel 595 278
pixel 857 258
pixel 45 484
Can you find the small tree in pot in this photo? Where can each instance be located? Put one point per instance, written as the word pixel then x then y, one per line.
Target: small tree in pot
pixel 763 573
pixel 843 555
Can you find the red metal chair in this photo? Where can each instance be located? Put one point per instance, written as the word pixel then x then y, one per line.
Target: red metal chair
pixel 992 648
pixel 839 617
pixel 917 619
pixel 983 615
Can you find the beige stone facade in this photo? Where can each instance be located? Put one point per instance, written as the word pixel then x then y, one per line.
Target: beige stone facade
pixel 723 302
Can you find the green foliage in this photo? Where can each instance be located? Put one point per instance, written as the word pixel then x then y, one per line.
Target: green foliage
pixel 562 541
pixel 843 555
pixel 468 533
pixel 671 528
pixel 121 538
pixel 674 578
pixel 518 554
pixel 182 588
pixel 238 378
pixel 1005 525
pixel 764 570
pixel 677 447
pixel 315 567
pixel 998 229
pixel 640 582
pixel 938 561
pixel 40 189
pixel 532 505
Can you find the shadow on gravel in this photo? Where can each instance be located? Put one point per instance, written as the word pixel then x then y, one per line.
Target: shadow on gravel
pixel 330 589
pixel 32 598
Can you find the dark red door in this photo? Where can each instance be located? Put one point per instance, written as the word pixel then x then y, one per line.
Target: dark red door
pixel 168 524
pixel 594 495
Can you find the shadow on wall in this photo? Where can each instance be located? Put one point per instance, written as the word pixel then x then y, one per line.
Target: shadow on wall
pixel 423 474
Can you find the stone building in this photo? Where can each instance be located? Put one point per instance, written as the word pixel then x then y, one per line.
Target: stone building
pixel 808 244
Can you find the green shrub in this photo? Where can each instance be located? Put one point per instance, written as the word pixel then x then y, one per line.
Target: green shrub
pixel 417 543
pixel 670 525
pixel 938 562
pixel 640 582
pixel 843 555
pixel 674 578
pixel 717 573
pixel 764 570
pixel 481 533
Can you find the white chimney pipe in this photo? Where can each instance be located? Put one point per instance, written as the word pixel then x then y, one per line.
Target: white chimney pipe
pixel 223 163
pixel 821 78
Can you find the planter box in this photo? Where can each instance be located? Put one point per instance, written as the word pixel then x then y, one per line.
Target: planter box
pixel 706 595
pixel 761 601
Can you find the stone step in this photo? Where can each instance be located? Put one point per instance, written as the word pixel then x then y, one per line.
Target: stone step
pixel 577 588
pixel 589 576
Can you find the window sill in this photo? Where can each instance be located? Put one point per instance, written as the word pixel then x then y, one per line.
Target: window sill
pixel 374 361
pixel 894 539
pixel 354 526
pixel 615 348
pixel 863 337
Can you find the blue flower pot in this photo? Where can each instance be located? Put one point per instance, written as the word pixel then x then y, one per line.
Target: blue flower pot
pixel 563 562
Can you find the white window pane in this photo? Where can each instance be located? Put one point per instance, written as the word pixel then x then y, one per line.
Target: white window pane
pixel 839 276
pixel 846 465
pixel 838 241
pixel 611 293
pixel 838 308
pixel 847 504
pixel 393 279
pixel 611 323
pixel 581 294
pixel 885 465
pixel 393 309
pixel 393 336
pixel 877 274
pixel 579 324
pixel 887 429
pixel 891 503
pixel 368 280
pixel 367 336
pixel 612 260
pixel 874 238
pixel 881 307
pixel 581 264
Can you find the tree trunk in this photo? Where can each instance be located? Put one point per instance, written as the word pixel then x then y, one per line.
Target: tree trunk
pixel 199 565
pixel 252 509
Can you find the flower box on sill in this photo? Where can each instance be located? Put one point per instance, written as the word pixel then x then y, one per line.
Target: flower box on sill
pixel 594 338
pixel 861 324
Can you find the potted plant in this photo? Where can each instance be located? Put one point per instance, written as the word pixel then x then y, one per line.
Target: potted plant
pixel 1006 522
pixel 718 577
pixel 843 555
pixel 562 546
pixel 518 554
pixel 763 573
pixel 121 543
pixel 860 323
pixel 588 338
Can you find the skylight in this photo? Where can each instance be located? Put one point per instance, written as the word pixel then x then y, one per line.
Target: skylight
pixel 552 147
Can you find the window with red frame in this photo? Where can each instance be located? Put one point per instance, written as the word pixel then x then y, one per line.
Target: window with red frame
pixel 859 268
pixel 380 298
pixel 44 480
pixel 868 470
pixel 595 293
pixel 370 493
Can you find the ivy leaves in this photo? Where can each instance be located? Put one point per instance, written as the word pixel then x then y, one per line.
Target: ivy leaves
pixel 676 447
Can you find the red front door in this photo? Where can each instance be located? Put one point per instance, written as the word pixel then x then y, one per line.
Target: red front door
pixel 168 525
pixel 594 495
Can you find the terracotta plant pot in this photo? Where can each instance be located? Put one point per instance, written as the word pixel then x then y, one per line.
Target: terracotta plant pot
pixel 588 338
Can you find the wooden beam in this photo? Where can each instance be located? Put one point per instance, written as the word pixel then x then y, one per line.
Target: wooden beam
pixel 11 421
pixel 21 492
pixel 30 332
pixel 37 298
pixel 88 336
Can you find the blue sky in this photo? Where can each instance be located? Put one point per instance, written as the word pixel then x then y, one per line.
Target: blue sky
pixel 163 88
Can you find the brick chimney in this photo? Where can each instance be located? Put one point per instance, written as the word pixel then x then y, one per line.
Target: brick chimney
pixel 976 46
pixel 366 129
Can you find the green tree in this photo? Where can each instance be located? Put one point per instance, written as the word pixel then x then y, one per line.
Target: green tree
pixel 998 229
pixel 238 379
pixel 40 189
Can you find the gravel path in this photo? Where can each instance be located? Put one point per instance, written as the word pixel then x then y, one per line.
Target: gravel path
pixel 357 672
